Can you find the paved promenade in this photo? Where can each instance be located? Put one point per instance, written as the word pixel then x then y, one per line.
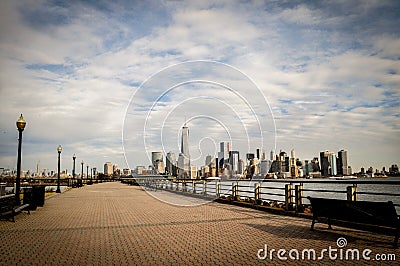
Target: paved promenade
pixel 117 224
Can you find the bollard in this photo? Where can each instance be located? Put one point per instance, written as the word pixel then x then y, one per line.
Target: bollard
pixel 257 191
pixel 352 193
pixel 288 196
pixel 217 189
pixel 298 196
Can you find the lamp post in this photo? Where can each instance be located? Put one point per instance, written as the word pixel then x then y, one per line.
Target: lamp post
pixel 87 171
pixel 20 126
pixel 59 149
pixel 82 163
pixel 73 169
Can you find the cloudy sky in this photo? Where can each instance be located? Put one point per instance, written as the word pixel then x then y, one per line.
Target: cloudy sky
pixel 106 77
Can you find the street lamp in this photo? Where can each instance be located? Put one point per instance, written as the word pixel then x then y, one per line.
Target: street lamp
pixel 20 126
pixel 59 149
pixel 87 171
pixel 73 169
pixel 82 163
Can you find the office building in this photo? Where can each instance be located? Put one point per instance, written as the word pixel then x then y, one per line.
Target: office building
pixel 108 169
pixel 156 156
pixel 171 163
pixel 272 155
pixel 184 155
pixel 234 161
pixel 209 159
pixel 342 165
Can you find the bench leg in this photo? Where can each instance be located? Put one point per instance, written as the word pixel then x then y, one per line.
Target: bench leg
pixel 396 239
pixel 329 223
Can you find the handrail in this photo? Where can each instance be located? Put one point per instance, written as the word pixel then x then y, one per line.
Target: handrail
pixel 289 191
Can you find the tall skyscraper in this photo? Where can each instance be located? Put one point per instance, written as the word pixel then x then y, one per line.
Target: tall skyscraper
pixel 324 163
pixel 108 169
pixel 185 142
pixel 184 156
pixel 342 167
pixel 328 163
pixel 333 164
pixel 224 149
pixel 234 161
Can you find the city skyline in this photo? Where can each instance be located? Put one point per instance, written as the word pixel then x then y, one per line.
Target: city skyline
pixel 320 76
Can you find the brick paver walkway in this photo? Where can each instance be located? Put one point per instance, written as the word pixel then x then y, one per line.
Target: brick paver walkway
pixel 116 224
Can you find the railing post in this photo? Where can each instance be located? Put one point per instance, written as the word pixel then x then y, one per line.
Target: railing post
pixel 184 188
pixel 298 195
pixel 204 187
pixel 257 191
pixel 234 190
pixel 288 196
pixel 193 187
pixel 217 189
pixel 352 193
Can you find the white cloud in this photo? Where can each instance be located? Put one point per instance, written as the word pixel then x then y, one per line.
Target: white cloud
pixel 323 69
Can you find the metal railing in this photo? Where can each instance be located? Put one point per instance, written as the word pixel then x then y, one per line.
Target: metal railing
pixel 291 194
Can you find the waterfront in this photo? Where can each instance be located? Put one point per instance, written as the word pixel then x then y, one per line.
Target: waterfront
pixel 116 224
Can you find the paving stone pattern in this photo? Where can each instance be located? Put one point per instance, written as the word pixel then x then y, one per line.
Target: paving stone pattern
pixel 117 224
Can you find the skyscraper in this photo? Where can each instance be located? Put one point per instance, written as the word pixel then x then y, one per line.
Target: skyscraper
pixel 324 163
pixel 108 170
pixel 234 161
pixel 185 142
pixel 342 167
pixel 328 163
pixel 184 156
pixel 156 156
pixel 333 165
pixel 224 149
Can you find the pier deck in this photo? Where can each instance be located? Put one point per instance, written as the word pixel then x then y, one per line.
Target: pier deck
pixel 117 224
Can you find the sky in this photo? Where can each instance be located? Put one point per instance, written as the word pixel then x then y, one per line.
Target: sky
pixel 115 80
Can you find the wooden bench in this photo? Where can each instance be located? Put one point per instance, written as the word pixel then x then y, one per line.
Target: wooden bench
pixel 364 215
pixel 9 208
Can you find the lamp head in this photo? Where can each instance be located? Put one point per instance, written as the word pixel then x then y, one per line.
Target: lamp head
pixel 21 123
pixel 74 156
pixel 59 148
